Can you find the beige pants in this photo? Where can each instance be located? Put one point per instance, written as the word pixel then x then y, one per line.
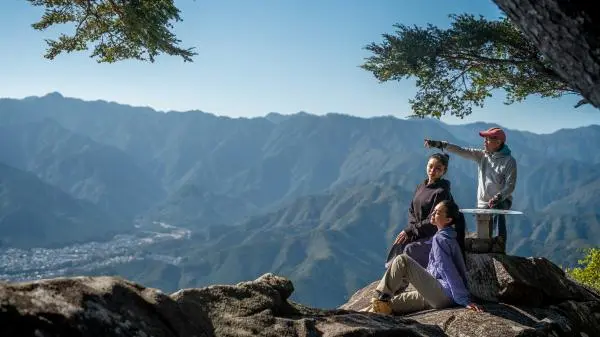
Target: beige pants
pixel 404 270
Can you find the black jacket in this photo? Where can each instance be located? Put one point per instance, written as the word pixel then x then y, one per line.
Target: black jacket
pixel 424 200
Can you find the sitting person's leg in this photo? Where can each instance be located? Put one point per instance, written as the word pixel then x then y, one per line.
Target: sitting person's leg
pixel 419 251
pixel 395 250
pixel 408 302
pixel 402 271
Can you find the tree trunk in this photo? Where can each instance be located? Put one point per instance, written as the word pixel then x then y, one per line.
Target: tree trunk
pixel 568 33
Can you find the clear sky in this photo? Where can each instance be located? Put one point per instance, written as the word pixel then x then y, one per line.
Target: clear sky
pixel 262 56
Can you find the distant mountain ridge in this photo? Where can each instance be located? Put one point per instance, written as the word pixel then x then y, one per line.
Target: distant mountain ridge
pixel 81 167
pixel 33 213
pixel 309 196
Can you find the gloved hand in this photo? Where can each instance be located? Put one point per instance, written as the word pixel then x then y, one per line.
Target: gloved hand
pixel 495 201
pixel 435 143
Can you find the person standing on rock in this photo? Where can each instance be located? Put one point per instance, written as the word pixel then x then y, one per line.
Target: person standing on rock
pixel 497 172
pixel 444 282
pixel 415 239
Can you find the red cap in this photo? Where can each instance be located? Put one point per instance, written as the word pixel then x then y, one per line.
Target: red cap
pixel 496 133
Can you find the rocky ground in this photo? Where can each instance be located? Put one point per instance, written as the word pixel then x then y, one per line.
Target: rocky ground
pixel 521 297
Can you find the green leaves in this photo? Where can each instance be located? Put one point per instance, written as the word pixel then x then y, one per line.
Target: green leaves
pixel 589 272
pixel 458 68
pixel 115 29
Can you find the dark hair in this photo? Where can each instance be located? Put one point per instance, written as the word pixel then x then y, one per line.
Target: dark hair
pixel 458 220
pixel 443 158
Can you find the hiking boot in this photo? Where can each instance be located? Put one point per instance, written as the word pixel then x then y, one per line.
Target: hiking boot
pixel 381 303
pixel 381 307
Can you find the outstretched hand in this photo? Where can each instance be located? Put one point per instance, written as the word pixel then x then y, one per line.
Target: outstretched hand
pixel 433 143
pixel 493 203
pixel 474 307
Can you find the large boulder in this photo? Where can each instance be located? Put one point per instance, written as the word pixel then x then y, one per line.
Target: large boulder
pixel 113 307
pixel 521 297
pixel 481 245
pixel 91 306
pixel 508 279
pixel 566 319
pixel 261 307
pixel 519 280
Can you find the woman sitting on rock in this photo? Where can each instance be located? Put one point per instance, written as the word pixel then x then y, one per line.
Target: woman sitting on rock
pixel 443 284
pixel 415 240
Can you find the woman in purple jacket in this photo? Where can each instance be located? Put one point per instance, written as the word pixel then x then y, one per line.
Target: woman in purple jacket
pixel 444 282
pixel 415 239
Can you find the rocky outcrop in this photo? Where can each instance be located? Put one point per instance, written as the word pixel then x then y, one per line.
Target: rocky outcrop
pixel 567 318
pixel 109 306
pixel 521 297
pixel 520 280
pixel 480 245
pixel 113 307
pixel 91 306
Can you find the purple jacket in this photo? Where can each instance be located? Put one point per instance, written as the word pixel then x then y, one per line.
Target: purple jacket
pixel 446 264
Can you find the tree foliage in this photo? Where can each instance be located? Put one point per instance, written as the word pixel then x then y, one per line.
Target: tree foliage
pixel 115 29
pixel 459 67
pixel 589 272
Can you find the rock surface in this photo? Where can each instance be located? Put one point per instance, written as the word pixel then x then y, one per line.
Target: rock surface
pixel 520 280
pixel 521 297
pixel 479 245
pixel 109 306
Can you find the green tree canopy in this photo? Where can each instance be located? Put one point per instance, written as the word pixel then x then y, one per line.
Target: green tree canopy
pixel 589 271
pixel 115 29
pixel 459 67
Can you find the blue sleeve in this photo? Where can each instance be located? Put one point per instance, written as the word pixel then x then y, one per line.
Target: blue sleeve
pixel 450 273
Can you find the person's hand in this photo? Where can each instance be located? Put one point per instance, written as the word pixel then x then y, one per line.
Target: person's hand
pixel 493 203
pixel 433 143
pixel 401 238
pixel 474 307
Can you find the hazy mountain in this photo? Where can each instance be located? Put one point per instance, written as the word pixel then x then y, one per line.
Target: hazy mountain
pixel 329 244
pixel 312 197
pixel 254 159
pixel 85 169
pixel 191 206
pixel 34 214
pixel 552 180
pixel 559 236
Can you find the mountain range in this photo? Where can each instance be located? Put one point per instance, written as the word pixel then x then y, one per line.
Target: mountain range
pixel 315 198
pixel 34 213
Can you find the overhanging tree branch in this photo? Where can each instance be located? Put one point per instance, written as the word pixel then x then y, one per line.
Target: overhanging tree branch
pixel 486 55
pixel 116 30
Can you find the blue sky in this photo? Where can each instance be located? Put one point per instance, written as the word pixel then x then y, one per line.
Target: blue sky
pixel 261 56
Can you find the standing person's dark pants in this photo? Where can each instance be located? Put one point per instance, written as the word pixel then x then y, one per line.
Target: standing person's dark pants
pixel 499 221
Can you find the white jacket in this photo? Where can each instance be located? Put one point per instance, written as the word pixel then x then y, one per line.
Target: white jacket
pixel 497 172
